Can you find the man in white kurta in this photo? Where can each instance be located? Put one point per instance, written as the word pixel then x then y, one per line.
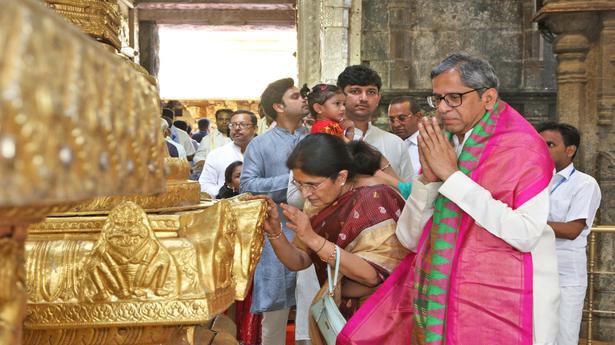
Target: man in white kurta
pixel 216 138
pixel 242 128
pixel 461 106
pixel 575 198
pixel 361 85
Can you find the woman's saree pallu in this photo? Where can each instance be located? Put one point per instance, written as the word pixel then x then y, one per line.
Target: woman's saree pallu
pixel 465 285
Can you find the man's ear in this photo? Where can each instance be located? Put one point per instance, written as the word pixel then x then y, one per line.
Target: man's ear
pixel 419 115
pixel 278 107
pixel 571 150
pixel 490 96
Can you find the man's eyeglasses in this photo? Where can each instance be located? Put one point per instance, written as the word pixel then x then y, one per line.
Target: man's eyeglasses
pixel 306 187
pixel 453 99
pixel 239 125
pixel 400 118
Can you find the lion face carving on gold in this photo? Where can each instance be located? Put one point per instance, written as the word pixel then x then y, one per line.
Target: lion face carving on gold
pixel 128 260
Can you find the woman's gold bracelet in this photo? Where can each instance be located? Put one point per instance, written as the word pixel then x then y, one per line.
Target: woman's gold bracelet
pixel 274 237
pixel 331 256
pixel 323 245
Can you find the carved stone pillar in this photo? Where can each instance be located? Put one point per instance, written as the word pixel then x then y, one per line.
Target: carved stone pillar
pixel 585 48
pixel 571 47
pixel 606 95
pixel 329 38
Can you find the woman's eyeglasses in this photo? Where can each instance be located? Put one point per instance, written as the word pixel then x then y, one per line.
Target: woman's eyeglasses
pixel 307 187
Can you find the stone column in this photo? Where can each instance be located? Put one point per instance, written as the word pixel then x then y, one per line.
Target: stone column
pixel 606 94
pixel 308 41
pixel 329 35
pixel 585 48
pixel 571 47
pixel 334 38
pixel 149 47
pixel 400 41
pixel 354 32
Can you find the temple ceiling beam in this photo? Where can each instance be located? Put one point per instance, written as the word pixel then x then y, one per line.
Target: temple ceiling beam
pixel 237 17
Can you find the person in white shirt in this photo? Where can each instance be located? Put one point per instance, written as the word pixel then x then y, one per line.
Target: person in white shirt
pixel 243 127
pixel 575 198
pixel 486 269
pixel 404 116
pixel 175 149
pixel 362 86
pixel 177 135
pixel 217 136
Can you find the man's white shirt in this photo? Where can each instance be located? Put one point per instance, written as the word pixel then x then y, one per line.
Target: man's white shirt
pixel 413 151
pixel 524 228
pixel 391 146
pixel 184 140
pixel 210 142
pixel 212 177
pixel 573 195
pixel 181 153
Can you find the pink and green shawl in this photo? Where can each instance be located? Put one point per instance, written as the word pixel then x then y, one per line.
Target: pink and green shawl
pixel 465 285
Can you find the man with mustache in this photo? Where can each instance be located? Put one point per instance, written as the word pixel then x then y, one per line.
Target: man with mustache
pixel 404 117
pixel 484 268
pixel 242 130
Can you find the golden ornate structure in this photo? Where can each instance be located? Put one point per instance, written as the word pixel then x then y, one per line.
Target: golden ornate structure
pixel 99 18
pixel 74 122
pixel 140 264
pixel 71 112
pixel 166 272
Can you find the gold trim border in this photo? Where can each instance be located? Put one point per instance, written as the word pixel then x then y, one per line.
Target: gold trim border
pixel 145 313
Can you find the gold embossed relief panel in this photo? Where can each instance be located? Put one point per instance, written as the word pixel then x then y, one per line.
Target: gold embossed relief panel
pixel 249 242
pixel 75 120
pixel 132 269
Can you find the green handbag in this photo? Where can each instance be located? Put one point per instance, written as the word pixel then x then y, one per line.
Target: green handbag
pixel 325 312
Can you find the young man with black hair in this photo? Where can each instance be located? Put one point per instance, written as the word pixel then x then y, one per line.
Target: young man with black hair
pixel 574 199
pixel 178 135
pixel 265 172
pixel 362 86
pixel 203 130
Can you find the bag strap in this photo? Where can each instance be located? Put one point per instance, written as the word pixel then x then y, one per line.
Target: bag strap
pixel 333 283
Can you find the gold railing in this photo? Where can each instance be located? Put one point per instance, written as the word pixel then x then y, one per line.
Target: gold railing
pixel 592 273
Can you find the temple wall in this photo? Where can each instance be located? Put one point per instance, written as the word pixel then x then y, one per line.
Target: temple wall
pixel 404 39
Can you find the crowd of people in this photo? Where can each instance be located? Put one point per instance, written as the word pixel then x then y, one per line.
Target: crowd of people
pixel 463 224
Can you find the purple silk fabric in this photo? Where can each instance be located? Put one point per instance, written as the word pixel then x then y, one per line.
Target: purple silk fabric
pixel 490 295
